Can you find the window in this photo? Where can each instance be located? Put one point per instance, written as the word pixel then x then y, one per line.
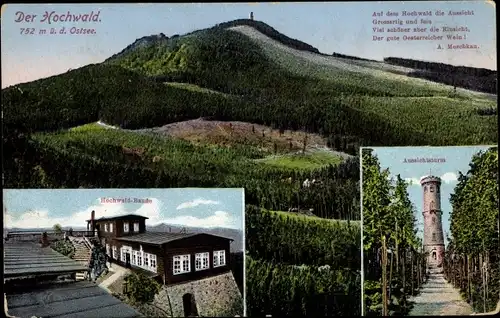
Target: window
pixel 139 258
pixel 123 251
pixel 115 252
pixel 433 237
pixel 107 249
pixel 125 226
pixel 106 227
pixel 134 258
pixel 111 227
pixel 431 188
pixel 181 264
pixel 433 220
pixel 219 258
pixel 437 189
pixel 146 260
pixel 152 259
pixel 201 261
pixel 425 188
pixel 136 227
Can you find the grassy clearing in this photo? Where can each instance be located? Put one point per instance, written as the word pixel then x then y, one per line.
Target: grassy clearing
pixel 87 127
pixel 306 161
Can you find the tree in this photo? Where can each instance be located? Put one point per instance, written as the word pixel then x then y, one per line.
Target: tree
pixel 57 228
pixel 140 288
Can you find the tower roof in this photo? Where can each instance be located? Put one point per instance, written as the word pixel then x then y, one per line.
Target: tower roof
pixel 430 178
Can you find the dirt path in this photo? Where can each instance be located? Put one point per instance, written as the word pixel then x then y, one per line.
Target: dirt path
pixel 439 298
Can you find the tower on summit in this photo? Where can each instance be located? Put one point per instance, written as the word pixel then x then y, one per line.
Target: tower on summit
pixel 251 15
pixel 433 228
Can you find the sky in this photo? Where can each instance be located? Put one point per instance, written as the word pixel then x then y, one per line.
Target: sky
pixel 340 27
pixel 452 160
pixel 42 208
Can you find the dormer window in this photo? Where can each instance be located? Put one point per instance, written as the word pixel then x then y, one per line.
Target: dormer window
pixel 125 227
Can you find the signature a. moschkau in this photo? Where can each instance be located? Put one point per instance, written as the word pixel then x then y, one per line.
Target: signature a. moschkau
pixel 52 16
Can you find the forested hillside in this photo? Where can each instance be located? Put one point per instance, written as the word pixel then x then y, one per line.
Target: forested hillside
pixel 52 141
pixel 478 79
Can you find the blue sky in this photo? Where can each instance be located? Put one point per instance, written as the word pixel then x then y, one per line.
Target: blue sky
pixel 33 208
pixel 330 26
pixel 455 159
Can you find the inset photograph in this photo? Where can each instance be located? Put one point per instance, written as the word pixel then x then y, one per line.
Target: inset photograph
pixel 430 230
pixel 134 252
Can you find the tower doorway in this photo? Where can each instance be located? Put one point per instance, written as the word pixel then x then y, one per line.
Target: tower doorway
pixel 189 305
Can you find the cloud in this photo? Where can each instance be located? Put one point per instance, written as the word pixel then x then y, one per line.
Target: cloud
pixel 196 202
pixel 449 177
pixel 413 181
pixel 218 219
pixel 42 219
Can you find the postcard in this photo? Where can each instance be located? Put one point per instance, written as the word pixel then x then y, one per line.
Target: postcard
pixel 430 230
pixel 159 252
pixel 274 98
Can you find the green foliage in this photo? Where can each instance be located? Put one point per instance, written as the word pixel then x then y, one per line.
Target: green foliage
pixel 64 247
pixel 57 228
pixel 288 290
pixel 472 260
pixel 388 224
pixel 301 240
pixel 140 288
pixel 95 159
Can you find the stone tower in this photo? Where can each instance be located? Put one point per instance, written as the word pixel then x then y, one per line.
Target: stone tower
pixel 251 15
pixel 433 228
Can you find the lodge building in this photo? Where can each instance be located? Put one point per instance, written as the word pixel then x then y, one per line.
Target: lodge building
pixel 168 257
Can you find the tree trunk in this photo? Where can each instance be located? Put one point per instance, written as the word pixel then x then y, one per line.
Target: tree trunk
pixel 390 276
pixel 404 280
pixel 384 277
pixel 412 274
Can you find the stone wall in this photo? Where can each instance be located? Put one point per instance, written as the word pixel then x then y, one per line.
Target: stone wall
pixel 216 296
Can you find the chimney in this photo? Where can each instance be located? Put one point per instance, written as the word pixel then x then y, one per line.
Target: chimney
pixel 92 218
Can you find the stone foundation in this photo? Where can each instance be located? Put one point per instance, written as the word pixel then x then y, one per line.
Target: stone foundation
pixel 216 296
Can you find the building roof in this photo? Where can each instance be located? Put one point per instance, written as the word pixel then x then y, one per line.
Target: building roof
pixel 29 259
pixel 160 238
pixel 121 217
pixel 71 300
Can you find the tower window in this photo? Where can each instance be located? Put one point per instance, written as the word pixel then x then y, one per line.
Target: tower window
pixel 433 220
pixel 437 190
pixel 432 205
pixel 434 237
pixel 425 188
pixel 431 189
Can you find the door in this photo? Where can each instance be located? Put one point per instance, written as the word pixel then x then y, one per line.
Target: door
pixel 127 259
pixel 189 305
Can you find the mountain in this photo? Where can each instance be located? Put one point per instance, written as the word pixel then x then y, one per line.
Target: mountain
pixel 236 235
